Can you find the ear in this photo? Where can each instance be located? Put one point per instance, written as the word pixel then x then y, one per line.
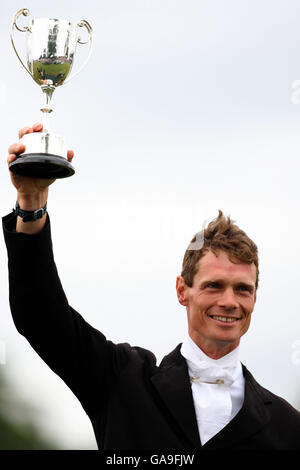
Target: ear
pixel 181 289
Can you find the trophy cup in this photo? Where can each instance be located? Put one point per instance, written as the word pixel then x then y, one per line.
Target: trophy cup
pixel 50 47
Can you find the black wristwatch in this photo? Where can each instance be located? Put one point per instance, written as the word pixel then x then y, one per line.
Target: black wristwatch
pixel 29 216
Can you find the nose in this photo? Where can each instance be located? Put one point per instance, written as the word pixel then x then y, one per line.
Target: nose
pixel 227 300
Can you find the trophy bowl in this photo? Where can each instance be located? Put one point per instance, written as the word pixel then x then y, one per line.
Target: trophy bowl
pixel 50 49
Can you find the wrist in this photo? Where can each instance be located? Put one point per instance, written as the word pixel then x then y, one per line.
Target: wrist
pixel 30 221
pixel 30 216
pixel 32 202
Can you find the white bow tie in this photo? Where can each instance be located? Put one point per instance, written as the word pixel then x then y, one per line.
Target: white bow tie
pixel 213 374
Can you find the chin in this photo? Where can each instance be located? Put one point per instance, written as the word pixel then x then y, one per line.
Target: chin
pixel 227 339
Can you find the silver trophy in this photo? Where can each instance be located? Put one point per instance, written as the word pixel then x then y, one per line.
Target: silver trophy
pixel 51 45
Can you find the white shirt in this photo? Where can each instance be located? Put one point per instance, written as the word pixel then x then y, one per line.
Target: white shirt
pixel 215 404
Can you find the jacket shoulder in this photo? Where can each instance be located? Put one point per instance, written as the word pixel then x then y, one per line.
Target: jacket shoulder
pixel 283 406
pixel 279 406
pixel 126 353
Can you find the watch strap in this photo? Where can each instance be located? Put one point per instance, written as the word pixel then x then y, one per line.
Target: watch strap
pixel 29 216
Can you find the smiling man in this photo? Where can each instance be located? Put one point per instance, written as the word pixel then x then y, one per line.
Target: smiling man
pixel 200 396
pixel 218 286
pixel 219 301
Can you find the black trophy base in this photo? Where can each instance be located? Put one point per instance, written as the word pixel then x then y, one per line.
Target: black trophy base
pixel 42 165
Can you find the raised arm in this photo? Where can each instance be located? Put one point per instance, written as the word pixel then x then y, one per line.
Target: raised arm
pixel 76 351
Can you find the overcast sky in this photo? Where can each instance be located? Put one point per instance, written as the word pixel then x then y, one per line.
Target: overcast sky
pixel 185 107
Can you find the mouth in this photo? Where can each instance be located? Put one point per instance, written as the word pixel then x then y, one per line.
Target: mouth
pixel 224 320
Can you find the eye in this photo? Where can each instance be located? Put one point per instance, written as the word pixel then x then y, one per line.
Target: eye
pixel 243 288
pixel 213 285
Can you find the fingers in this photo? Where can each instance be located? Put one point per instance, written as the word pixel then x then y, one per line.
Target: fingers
pixel 38 127
pixel 11 158
pixel 70 155
pixel 16 148
pixel 25 130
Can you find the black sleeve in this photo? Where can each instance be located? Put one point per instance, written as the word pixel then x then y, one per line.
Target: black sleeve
pixel 87 362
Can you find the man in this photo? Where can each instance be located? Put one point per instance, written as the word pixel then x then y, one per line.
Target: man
pixel 201 396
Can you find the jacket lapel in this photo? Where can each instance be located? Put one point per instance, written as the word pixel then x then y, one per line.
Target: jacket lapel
pixel 173 384
pixel 252 417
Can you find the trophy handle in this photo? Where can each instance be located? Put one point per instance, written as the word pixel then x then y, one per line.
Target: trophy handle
pixel 83 23
pixel 25 12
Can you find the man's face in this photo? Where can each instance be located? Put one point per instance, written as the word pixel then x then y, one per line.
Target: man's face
pixel 220 302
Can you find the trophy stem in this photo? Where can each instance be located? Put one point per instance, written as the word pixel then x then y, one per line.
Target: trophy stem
pixel 47 109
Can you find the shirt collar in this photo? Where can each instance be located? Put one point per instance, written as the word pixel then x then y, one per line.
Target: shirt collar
pixel 190 350
pixel 197 360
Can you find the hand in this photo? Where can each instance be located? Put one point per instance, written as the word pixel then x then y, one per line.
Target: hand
pixel 32 192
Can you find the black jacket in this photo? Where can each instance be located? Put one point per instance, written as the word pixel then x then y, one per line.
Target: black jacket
pixel 132 402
